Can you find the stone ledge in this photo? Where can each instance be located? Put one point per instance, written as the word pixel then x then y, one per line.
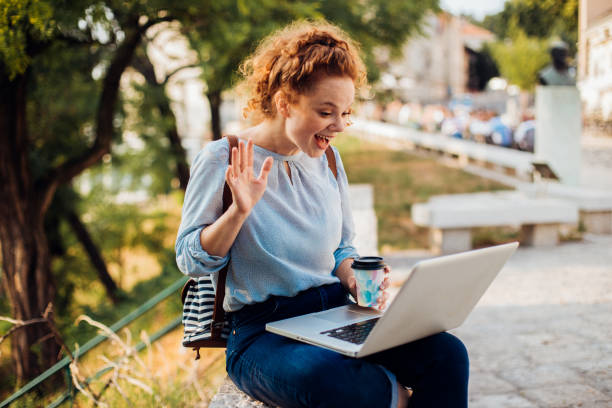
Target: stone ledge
pixel 229 396
pixel 450 218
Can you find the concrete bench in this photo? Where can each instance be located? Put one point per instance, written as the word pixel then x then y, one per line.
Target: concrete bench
pixel 451 217
pixel 595 206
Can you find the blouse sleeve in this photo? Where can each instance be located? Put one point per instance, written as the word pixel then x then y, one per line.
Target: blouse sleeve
pixel 202 206
pixel 346 248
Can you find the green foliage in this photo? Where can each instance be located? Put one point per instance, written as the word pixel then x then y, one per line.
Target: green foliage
pixel 226 40
pixel 374 23
pixel 118 230
pixel 20 19
pixel 520 59
pixel 525 29
pixel 542 19
pixel 150 167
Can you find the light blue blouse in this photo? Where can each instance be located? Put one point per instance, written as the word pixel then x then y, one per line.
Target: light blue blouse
pixel 294 238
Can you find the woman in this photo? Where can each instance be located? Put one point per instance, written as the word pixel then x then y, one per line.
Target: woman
pixel 288 237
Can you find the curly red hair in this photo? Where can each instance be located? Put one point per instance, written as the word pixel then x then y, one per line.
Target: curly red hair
pixel 290 59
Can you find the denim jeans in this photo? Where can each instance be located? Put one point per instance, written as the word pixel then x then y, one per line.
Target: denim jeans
pixel 288 373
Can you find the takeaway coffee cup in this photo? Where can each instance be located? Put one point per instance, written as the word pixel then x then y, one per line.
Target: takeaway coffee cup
pixel 369 274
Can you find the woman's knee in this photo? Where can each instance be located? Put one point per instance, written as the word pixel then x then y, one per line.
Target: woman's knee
pixel 452 353
pixel 351 383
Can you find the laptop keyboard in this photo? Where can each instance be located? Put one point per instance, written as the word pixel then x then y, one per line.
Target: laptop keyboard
pixel 355 333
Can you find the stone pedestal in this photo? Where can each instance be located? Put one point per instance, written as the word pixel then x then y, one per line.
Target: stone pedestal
pixel 558 130
pixel 597 222
pixel 540 235
pixel 450 240
pixel 361 199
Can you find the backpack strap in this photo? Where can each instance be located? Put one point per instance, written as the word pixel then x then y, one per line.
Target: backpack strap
pixel 218 317
pixel 331 161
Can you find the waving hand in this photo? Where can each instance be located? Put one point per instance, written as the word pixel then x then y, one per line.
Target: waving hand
pixel 246 189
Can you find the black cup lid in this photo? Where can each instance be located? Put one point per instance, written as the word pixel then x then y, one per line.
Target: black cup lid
pixel 368 263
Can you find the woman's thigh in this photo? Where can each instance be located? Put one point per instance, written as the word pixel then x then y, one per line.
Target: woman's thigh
pixel 436 367
pixel 287 373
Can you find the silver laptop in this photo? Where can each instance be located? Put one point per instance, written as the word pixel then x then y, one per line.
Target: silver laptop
pixel 438 295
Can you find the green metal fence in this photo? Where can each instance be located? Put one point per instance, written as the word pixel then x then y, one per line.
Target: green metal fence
pixel 64 363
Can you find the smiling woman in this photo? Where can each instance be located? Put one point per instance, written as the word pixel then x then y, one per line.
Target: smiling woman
pixel 286 239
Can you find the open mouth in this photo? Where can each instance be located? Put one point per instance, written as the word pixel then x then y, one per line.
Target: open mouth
pixel 322 141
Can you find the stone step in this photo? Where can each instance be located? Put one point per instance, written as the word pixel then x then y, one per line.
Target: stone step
pixel 229 396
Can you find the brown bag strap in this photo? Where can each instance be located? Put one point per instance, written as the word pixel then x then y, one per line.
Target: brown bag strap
pixel 331 160
pixel 218 316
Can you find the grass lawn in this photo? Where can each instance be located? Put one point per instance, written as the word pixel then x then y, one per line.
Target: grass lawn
pixel 400 179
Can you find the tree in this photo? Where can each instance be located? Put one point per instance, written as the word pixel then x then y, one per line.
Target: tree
pixel 155 98
pixel 378 23
pixel 223 43
pixel 520 59
pixel 64 207
pixel 525 29
pixel 538 19
pixel 31 33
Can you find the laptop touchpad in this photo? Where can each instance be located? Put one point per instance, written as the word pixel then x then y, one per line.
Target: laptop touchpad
pixel 345 314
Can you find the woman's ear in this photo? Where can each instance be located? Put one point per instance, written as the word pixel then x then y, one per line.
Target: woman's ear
pixel 282 103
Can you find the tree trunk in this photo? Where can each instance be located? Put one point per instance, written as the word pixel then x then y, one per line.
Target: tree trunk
pixel 182 168
pixel 26 279
pixel 143 64
pixel 214 99
pixel 95 257
pixel 26 261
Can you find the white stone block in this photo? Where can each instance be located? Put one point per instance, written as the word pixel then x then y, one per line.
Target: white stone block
pixel 449 241
pixel 558 130
pixel 540 235
pixel 597 222
pixel 361 199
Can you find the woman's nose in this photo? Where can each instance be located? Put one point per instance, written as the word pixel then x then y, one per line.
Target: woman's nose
pixel 339 124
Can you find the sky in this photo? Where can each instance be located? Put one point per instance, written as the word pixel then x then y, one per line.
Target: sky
pixel 477 8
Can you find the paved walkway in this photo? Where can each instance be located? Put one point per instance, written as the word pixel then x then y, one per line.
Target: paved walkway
pixel 596 162
pixel 541 336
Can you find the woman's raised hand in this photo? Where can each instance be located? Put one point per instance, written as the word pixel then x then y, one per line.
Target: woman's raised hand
pixel 246 189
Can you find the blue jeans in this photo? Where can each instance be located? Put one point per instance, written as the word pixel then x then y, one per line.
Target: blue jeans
pixel 287 373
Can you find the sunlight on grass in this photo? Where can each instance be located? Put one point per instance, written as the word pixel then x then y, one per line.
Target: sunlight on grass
pixel 399 180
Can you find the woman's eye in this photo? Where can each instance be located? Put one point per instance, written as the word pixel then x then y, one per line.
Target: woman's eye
pixel 325 114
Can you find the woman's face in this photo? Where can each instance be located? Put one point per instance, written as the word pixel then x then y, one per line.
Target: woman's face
pixel 320 114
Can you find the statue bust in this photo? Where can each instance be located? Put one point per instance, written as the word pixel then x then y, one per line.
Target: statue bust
pixel 558 72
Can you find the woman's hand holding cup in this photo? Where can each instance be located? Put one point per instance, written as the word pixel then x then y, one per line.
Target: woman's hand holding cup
pixel 370 282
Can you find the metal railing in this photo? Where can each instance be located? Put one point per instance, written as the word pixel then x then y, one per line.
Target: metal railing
pixel 64 363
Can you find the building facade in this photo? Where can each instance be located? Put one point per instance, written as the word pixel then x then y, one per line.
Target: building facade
pixel 439 63
pixel 595 58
